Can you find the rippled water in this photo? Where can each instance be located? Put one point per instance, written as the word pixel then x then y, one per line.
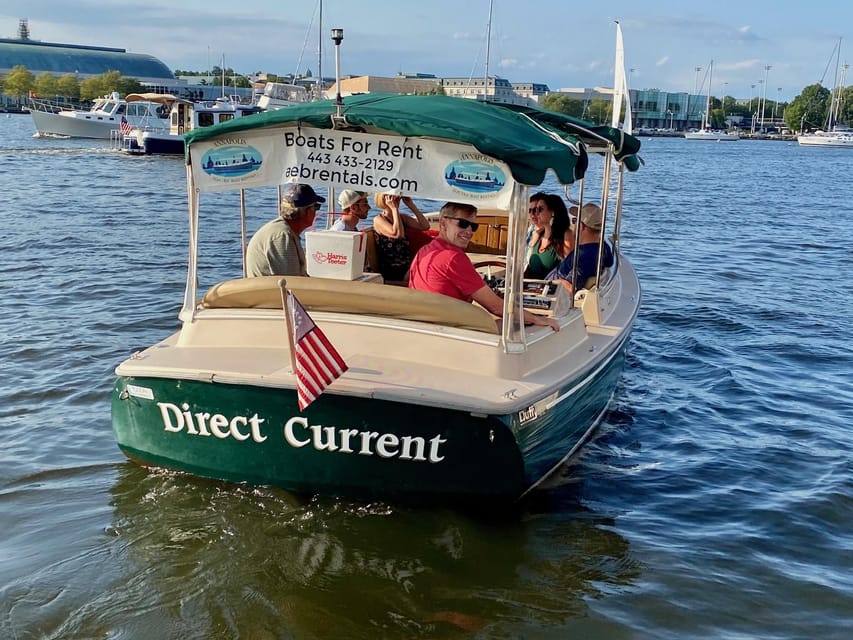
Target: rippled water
pixel 716 502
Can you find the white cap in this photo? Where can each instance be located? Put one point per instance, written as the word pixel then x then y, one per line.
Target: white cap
pixel 349 197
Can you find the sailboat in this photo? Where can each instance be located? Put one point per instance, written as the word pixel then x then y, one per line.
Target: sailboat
pixel 706 132
pixel 835 135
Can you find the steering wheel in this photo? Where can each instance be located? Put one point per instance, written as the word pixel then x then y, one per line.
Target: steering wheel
pixel 490 263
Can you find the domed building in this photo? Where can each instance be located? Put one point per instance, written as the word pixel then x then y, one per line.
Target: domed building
pixel 83 60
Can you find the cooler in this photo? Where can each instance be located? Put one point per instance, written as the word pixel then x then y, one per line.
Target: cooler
pixel 335 254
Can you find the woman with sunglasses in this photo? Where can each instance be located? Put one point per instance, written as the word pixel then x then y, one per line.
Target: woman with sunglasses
pixel 391 226
pixel 443 267
pixel 550 220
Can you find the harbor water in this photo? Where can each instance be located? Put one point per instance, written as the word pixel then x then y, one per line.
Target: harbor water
pixel 715 501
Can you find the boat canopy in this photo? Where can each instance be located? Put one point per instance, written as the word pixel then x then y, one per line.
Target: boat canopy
pixel 161 98
pixel 529 141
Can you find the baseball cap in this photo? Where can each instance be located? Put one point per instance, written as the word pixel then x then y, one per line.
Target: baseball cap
pixel 591 216
pixel 301 195
pixel 349 197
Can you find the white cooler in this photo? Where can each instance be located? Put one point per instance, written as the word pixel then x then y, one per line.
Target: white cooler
pixel 335 254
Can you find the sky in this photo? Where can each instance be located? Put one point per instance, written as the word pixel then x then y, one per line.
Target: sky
pixel 561 43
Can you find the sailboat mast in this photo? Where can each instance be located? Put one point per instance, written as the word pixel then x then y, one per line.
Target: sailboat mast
pixel 488 46
pixel 320 53
pixel 708 101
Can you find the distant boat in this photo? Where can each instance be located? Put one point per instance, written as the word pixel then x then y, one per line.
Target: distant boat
pixel 835 135
pixel 184 116
pixel 100 121
pixel 277 95
pixel 706 132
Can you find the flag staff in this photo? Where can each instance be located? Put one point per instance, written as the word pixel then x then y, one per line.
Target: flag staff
pixel 288 318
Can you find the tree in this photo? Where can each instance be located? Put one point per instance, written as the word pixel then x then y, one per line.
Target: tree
pixel 809 109
pixel 46 85
pixel 68 86
pixel 19 82
pixel 563 104
pixel 846 115
pixel 599 110
pixel 108 82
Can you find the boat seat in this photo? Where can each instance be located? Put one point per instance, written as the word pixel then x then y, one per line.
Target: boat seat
pixel 350 296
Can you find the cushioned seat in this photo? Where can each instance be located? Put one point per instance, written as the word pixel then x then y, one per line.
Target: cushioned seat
pixel 350 296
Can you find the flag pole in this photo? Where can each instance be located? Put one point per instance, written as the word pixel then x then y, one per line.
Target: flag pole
pixel 288 319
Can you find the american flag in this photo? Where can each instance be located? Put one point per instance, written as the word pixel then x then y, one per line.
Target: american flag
pixel 318 364
pixel 125 127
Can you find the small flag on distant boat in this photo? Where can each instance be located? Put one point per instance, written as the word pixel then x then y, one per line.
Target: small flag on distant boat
pixel 125 126
pixel 316 362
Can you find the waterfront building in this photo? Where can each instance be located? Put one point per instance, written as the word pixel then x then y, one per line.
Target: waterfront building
pixel 85 61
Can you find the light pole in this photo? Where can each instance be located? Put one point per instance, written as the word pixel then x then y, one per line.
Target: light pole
pixel 695 90
pixel 723 104
pixel 670 114
pixel 778 97
pixel 767 68
pixel 337 38
pixel 758 106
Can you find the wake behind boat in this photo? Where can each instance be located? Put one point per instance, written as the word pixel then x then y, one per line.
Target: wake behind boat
pixel 439 402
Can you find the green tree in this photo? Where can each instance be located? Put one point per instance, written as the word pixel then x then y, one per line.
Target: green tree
pixel 846 115
pixel 563 104
pixel 68 86
pixel 599 110
pixel 108 82
pixel 19 82
pixel 808 110
pixel 46 85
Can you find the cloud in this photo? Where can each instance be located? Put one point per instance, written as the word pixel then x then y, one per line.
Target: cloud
pixel 508 63
pixel 662 61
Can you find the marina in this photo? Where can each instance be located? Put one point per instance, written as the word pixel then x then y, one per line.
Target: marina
pixel 714 501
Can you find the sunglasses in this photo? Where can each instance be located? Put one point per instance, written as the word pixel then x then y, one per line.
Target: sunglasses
pixel 534 210
pixel 463 223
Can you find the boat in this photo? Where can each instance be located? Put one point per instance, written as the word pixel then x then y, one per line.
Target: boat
pixel 705 132
pixel 834 134
pixel 438 401
pixel 184 116
pixel 278 95
pixel 101 121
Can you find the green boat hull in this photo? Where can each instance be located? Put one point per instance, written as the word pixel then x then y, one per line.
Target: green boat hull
pixel 356 447
pixel 345 446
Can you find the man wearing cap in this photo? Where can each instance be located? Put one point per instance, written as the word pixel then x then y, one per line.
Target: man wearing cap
pixel 591 222
pixel 354 207
pixel 276 248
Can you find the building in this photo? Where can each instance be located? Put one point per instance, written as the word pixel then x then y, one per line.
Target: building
pixel 651 108
pixel 86 61
pixel 405 84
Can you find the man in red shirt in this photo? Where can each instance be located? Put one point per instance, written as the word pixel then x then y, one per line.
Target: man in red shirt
pixel 443 267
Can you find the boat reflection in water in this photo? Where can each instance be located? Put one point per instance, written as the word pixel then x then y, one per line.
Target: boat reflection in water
pixel 205 555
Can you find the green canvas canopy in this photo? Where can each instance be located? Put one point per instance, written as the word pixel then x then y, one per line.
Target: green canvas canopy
pixel 530 141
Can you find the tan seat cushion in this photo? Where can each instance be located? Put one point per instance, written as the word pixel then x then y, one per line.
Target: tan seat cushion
pixel 350 296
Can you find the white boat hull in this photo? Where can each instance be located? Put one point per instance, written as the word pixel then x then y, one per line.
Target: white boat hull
pixel 81 124
pixel 712 136
pixel 826 140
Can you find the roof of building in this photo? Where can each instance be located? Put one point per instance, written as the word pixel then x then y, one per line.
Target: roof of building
pixel 60 59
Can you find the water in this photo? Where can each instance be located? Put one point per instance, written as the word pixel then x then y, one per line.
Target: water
pixel 716 501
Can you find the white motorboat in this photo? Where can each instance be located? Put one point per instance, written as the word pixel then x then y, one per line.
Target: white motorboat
pixel 277 95
pixel 101 121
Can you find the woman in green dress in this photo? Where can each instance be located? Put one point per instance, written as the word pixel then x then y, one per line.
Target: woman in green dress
pixel 550 220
